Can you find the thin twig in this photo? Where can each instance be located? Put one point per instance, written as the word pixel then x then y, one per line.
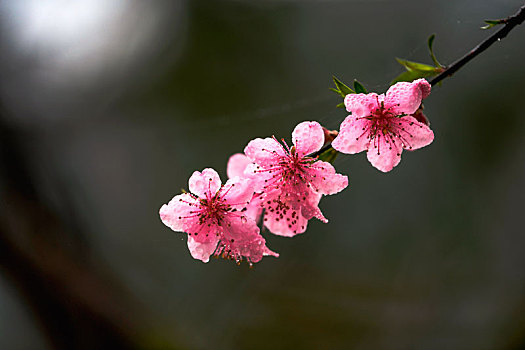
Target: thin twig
pixel 510 22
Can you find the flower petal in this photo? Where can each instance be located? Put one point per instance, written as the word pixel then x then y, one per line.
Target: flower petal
pixel 254 209
pixel 384 152
pixel 405 98
pixel 237 192
pixel 205 184
pixel 310 207
pixel 202 251
pixel 177 214
pixel 325 180
pixel 424 86
pixel 241 239
pixel 308 137
pixel 361 105
pixel 289 216
pixel 353 135
pixel 264 151
pixel 414 134
pixel 287 223
pixel 237 164
pixel 258 176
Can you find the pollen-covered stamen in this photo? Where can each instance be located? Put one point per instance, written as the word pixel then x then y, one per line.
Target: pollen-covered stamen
pixel 404 135
pixel 289 171
pixel 212 211
pixel 384 124
pixel 365 130
pixel 286 148
pixel 223 191
pixel 226 251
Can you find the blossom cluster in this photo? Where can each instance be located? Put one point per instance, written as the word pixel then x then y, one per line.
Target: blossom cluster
pixel 282 185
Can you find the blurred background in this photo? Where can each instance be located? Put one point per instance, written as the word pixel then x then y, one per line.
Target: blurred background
pixel 107 107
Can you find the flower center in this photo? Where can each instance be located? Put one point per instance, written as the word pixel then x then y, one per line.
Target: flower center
pixel 213 209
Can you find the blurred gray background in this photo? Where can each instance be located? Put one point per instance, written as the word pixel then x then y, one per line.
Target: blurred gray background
pixel 107 107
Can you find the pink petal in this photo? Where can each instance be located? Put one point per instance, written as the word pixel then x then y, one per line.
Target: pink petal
pixel 203 232
pixel 308 137
pixel 237 192
pixel 205 184
pixel 290 217
pixel 310 208
pixel 325 179
pixel 311 211
pixel 264 151
pixel 236 165
pixel 254 209
pixel 415 134
pixel 405 98
pixel 242 239
pixel 284 224
pixel 258 176
pixel 254 249
pixel 268 252
pixel 361 105
pixel 384 154
pixel 353 136
pixel 424 86
pixel 177 213
pixel 202 251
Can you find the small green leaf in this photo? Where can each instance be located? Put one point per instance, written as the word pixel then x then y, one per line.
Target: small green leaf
pixel 415 71
pixel 359 88
pixel 341 105
pixel 412 75
pixel 431 50
pixel 492 23
pixel 409 65
pixel 342 87
pixel 329 155
pixel 338 92
pixel 431 41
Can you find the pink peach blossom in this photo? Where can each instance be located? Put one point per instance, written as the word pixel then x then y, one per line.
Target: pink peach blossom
pixel 290 183
pixel 384 124
pixel 236 167
pixel 214 217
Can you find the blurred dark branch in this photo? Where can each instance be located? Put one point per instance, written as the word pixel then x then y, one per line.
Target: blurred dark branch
pixel 509 23
pixel 76 305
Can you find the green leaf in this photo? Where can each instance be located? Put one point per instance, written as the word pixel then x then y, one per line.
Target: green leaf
pixel 359 88
pixel 415 71
pixel 431 41
pixel 338 92
pixel 342 87
pixel 492 23
pixel 329 155
pixel 412 75
pixel 431 50
pixel 341 105
pixel 414 66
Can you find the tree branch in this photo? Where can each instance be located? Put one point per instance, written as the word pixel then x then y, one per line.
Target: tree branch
pixel 510 22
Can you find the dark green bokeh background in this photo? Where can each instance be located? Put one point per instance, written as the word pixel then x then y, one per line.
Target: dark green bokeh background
pixel 428 256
